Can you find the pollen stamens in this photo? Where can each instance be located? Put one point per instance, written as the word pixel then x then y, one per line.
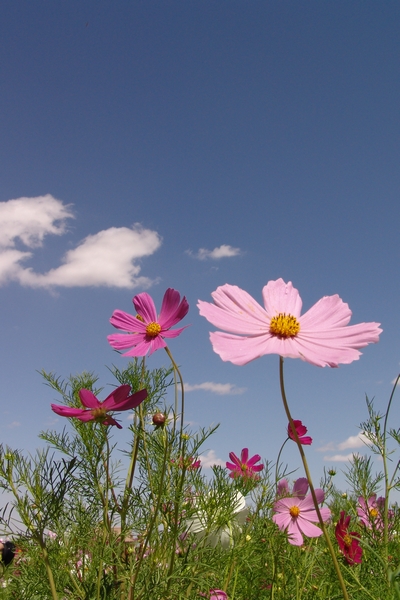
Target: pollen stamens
pixel 153 329
pixel 284 326
pixel 294 511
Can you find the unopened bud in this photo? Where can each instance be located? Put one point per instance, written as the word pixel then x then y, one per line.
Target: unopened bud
pixel 159 419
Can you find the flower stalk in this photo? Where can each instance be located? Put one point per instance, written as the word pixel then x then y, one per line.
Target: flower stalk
pixel 308 475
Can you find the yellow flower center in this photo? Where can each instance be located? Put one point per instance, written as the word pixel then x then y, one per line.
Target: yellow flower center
pixel 153 329
pixel 284 326
pixel 373 513
pixel 99 414
pixel 347 540
pixel 294 511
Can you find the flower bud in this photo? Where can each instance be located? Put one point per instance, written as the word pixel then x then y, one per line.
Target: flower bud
pixel 159 419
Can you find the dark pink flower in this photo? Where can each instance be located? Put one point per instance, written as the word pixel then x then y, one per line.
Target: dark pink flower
pixel 97 411
pixel 146 331
pixel 348 540
pixel 297 516
pixel 245 466
pixel 321 336
pixel 370 511
pixel 301 431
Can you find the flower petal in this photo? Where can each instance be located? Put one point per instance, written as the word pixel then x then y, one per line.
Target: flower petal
pixel 281 297
pixel 309 529
pixel 235 311
pixel 145 307
pixel 88 399
pixel 172 310
pixel 123 320
pixel 122 341
pixel 127 404
pixel 66 411
pixel 300 487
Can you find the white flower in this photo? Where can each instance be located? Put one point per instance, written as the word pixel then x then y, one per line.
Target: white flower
pixel 200 526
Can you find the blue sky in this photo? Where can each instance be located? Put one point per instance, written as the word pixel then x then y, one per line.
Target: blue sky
pixel 185 144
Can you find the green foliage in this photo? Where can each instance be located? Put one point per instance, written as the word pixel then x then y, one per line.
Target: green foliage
pixel 91 522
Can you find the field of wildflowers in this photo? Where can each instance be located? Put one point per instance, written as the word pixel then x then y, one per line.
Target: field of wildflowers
pixel 85 525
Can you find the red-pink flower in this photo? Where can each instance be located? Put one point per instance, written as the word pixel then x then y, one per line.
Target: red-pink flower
pixel 146 331
pixel 301 430
pixel 245 466
pixel 297 516
pixel 370 511
pixel 97 411
pixel 321 336
pixel 348 540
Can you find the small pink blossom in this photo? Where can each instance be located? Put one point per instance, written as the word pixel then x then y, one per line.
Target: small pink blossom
pixel 300 488
pixel 146 331
pixel 301 430
pixel 298 515
pixel 370 511
pixel 97 411
pixel 321 336
pixel 215 595
pixel 245 466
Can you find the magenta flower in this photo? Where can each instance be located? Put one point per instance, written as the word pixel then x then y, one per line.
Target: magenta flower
pixel 321 336
pixel 245 466
pixel 297 516
pixel 215 595
pixel 301 430
pixel 97 411
pixel 370 511
pixel 146 331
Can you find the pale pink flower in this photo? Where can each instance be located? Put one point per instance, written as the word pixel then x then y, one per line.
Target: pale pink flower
pixel 118 400
pixel 298 515
pixel 300 488
pixel 321 336
pixel 370 511
pixel 146 330
pixel 244 466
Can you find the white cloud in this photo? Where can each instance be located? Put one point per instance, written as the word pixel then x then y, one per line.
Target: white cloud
pixel 223 251
pixel 31 219
pixel 354 441
pixel 222 389
pixel 341 457
pixel 14 424
pixel 107 258
pixel 209 459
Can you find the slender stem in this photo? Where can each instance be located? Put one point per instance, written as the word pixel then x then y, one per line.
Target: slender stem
pixel 277 462
pixel 48 568
pixel 387 483
pixel 308 475
pixel 175 366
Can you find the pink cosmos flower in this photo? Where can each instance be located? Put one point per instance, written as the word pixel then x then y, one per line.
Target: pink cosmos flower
pixel 97 411
pixel 348 541
pixel 245 466
pixel 320 336
pixel 146 331
pixel 370 511
pixel 301 431
pixel 300 488
pixel 215 595
pixel 298 515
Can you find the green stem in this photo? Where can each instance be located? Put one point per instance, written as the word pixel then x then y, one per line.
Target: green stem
pixel 308 475
pixel 176 369
pixel 387 483
pixel 48 568
pixel 277 462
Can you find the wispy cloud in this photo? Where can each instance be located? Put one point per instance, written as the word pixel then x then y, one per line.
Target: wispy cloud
pixel 13 425
pixel 341 457
pixel 107 258
pixel 222 389
pixel 352 442
pixel 224 251
pixel 209 459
